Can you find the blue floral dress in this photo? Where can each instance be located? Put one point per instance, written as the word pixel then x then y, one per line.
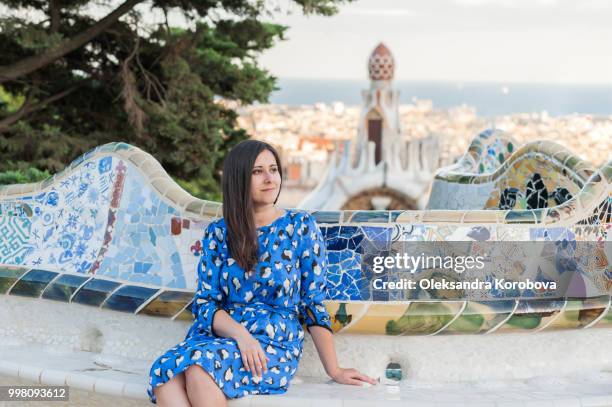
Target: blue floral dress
pixel 286 290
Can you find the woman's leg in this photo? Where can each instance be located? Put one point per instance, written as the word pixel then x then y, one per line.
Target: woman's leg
pixel 202 390
pixel 173 393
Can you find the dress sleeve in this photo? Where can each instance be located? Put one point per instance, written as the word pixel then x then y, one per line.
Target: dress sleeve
pixel 208 296
pixel 313 267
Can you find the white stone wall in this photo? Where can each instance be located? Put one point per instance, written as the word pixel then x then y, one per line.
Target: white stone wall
pixel 453 358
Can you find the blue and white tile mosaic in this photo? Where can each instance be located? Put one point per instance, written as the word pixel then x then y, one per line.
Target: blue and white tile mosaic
pixel 15 226
pixel 123 242
pixel 151 242
pixel 62 228
pixel 102 219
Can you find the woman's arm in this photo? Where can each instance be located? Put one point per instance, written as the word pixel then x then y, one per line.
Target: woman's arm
pixel 324 342
pixel 210 317
pixel 313 265
pixel 253 357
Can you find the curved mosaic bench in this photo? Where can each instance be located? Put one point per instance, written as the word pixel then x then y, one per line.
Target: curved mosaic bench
pixel 114 231
pixel 486 153
pixel 498 175
pixel 107 249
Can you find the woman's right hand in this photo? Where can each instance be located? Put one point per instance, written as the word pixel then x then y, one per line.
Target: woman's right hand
pixel 254 358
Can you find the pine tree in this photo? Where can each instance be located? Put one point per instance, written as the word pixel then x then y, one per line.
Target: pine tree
pixel 70 81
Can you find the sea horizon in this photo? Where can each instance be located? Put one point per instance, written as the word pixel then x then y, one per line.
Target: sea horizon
pixel 488 98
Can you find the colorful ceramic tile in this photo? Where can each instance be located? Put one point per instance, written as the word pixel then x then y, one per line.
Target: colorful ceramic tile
pixel 532 315
pixel 32 283
pixel 128 298
pixel 95 292
pixel 9 275
pixel 102 233
pixel 63 287
pixel 167 304
pixel 480 317
pixel 579 313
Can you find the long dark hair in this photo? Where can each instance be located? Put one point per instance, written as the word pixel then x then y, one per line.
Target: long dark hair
pixel 237 204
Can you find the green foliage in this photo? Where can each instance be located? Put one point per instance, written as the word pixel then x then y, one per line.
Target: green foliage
pixel 201 188
pixel 29 36
pixel 23 176
pixel 8 102
pixel 167 90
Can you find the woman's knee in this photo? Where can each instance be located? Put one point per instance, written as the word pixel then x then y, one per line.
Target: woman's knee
pixel 174 382
pixel 172 391
pixel 197 377
pixel 196 374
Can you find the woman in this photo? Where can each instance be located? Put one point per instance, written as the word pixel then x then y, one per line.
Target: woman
pixel 247 335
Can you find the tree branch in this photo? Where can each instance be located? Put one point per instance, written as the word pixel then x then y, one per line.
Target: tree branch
pixel 54 14
pixel 129 92
pixel 152 82
pixel 27 107
pixel 35 62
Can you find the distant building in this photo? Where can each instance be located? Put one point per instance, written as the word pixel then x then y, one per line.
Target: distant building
pixel 381 168
pixel 304 163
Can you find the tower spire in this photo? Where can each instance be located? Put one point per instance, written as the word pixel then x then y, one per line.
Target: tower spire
pixel 381 64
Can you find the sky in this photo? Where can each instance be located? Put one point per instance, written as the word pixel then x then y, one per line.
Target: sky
pixel 543 41
pixel 525 41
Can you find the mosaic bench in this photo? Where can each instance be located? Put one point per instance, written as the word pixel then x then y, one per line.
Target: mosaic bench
pixel 496 173
pixel 99 260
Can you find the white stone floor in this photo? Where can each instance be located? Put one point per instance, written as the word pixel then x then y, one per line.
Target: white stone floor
pixel 99 380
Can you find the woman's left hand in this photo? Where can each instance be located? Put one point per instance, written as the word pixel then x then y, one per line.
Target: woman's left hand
pixel 351 376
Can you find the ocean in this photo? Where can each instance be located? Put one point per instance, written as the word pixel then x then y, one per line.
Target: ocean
pixel 489 99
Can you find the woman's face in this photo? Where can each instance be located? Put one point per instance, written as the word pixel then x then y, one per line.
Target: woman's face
pixel 265 179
